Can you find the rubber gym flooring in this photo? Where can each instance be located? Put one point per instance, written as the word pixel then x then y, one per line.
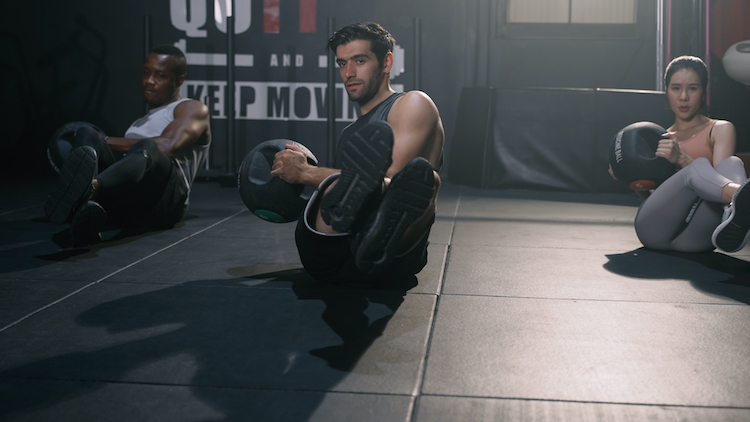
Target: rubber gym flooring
pixel 538 306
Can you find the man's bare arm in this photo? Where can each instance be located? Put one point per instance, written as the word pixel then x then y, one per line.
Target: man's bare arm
pixel 190 125
pixel 120 144
pixel 416 128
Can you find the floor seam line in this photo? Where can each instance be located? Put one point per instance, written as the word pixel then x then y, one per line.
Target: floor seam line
pixel 228 387
pixel 450 242
pixel 16 210
pixel 75 292
pixel 588 402
pixel 423 369
pixel 568 299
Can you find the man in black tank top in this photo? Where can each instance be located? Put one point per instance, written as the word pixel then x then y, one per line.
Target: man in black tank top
pixel 370 218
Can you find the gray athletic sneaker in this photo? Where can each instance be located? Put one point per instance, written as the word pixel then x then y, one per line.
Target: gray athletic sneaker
pixel 734 231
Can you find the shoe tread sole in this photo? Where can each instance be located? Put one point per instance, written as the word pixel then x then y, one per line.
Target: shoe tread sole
pixel 732 234
pixel 404 203
pixel 365 160
pixel 74 182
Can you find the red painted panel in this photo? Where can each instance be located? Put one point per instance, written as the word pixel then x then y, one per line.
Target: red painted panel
pixel 271 18
pixel 729 24
pixel 306 16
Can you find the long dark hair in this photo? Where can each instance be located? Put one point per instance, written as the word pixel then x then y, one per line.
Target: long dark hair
pixel 689 63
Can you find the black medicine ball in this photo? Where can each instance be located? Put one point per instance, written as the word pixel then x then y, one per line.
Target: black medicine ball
pixel 61 143
pixel 633 160
pixel 271 198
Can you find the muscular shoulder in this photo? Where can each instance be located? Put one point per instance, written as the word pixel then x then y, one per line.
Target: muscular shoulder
pixel 192 118
pixel 414 99
pixel 413 105
pixel 192 109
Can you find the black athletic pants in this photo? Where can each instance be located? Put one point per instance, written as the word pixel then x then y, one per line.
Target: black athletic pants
pixel 143 185
pixel 329 259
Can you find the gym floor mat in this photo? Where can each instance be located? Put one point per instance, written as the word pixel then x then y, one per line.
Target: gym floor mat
pixel 533 303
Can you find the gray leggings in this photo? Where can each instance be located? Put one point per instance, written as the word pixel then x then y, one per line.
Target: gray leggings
pixel 683 212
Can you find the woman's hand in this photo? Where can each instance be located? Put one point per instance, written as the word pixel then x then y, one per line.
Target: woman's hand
pixel 669 149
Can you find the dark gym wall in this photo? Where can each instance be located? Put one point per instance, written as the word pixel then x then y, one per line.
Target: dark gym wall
pixel 570 56
pixel 547 125
pixel 64 61
pixel 81 60
pixel 66 35
pixel 549 122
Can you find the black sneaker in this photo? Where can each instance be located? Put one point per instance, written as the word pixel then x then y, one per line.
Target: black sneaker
pixel 74 185
pixel 375 244
pixel 364 162
pixel 87 223
pixel 733 232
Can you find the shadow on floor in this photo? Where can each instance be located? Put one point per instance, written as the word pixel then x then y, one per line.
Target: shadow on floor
pixel 713 272
pixel 244 334
pixel 33 247
pixel 345 306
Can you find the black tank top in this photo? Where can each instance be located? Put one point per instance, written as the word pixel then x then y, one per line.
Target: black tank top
pixel 379 112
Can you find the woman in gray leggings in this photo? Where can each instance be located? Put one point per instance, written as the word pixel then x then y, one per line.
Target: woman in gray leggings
pixel 704 205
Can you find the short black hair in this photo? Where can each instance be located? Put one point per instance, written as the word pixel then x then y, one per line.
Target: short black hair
pixel 381 41
pixel 180 68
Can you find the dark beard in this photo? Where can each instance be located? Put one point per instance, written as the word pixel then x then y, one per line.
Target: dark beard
pixel 372 90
